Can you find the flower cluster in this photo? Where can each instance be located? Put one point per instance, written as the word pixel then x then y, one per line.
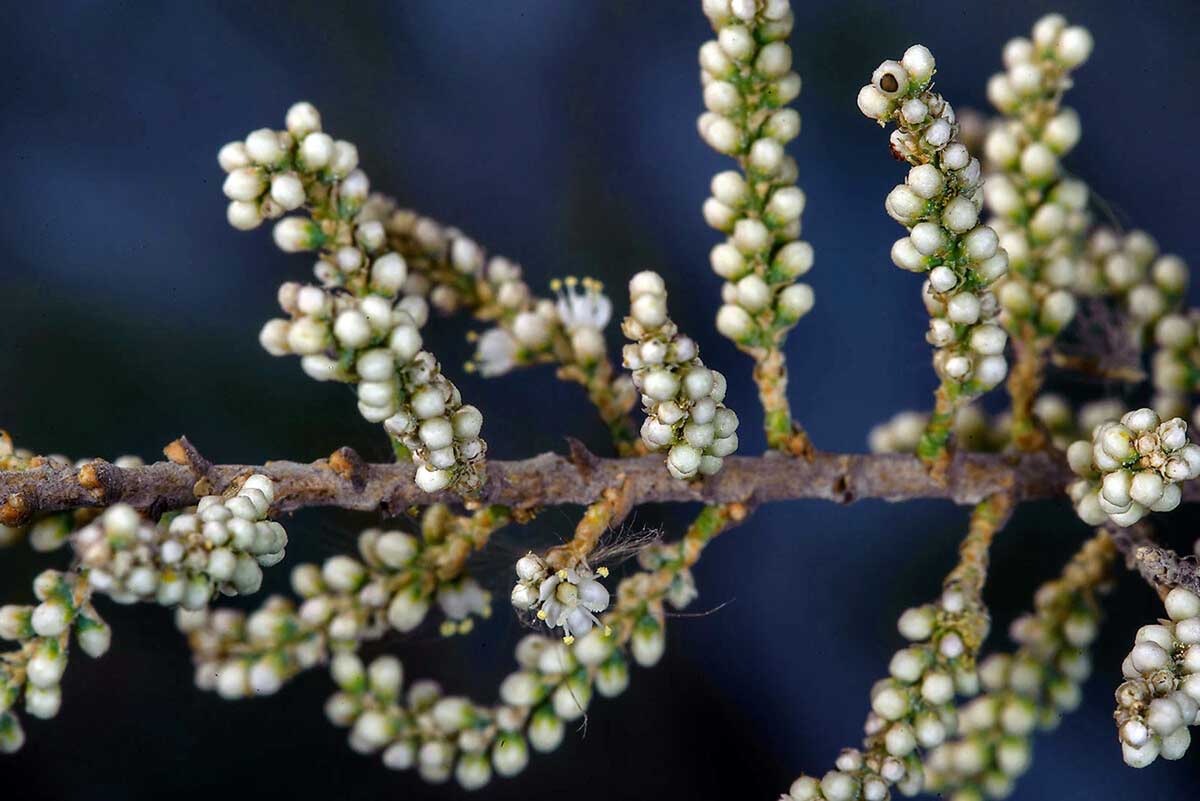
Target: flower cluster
pixel 1131 467
pixel 939 203
pixel 1131 268
pixel 361 324
pixel 375 343
pixel 1040 215
pixel 682 398
pixel 569 598
pixel 913 709
pixel 344 602
pixel 1175 365
pixel 221 544
pixel 1029 689
pixel 1160 698
pixel 748 83
pixel 42 634
pixel 443 736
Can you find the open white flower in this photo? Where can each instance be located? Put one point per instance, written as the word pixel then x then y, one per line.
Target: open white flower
pixel 582 304
pixel 568 599
pixel 495 352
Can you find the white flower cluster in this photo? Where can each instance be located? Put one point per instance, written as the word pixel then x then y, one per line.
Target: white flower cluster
pixel 1160 698
pixel 443 736
pixel 274 172
pixel 1040 216
pixel 1131 467
pixel 375 343
pixel 361 325
pixel 569 598
pixel 682 398
pixel 42 634
pixel 345 602
pixel 221 544
pixel 1028 690
pixel 911 710
pixel 1148 284
pixel 1175 365
pixel 748 83
pixel 939 203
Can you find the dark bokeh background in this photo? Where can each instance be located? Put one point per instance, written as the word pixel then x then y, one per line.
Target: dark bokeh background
pixel 563 135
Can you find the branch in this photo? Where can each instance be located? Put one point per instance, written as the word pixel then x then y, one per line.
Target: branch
pixel 549 479
pixel 1160 567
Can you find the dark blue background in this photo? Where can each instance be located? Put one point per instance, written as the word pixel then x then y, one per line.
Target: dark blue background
pixel 562 134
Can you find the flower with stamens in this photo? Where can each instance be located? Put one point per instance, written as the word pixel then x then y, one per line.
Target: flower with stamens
pixel 569 598
pixel 583 312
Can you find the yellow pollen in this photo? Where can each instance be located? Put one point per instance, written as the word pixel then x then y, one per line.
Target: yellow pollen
pixel 568 639
pixel 602 572
pixel 541 615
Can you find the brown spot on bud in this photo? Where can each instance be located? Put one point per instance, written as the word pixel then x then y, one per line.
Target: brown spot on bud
pixel 888 83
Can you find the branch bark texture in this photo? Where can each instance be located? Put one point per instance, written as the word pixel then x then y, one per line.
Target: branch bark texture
pixel 346 481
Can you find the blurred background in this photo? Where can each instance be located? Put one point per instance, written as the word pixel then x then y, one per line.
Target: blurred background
pixel 561 134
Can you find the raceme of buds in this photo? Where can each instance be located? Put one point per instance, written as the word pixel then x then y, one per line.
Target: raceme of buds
pixel 1131 468
pixel 344 602
pixel 682 398
pixel 939 203
pixel 221 544
pixel 1040 216
pixel 912 709
pixel 1131 268
pixel 569 598
pixel 748 86
pixel 375 344
pixel 42 634
pixel 1160 698
pixel 1030 689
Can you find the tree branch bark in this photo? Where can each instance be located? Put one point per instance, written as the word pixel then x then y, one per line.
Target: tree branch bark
pixel 345 481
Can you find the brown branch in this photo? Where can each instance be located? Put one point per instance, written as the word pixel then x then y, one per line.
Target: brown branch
pixel 581 478
pixel 1160 567
pixel 546 480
